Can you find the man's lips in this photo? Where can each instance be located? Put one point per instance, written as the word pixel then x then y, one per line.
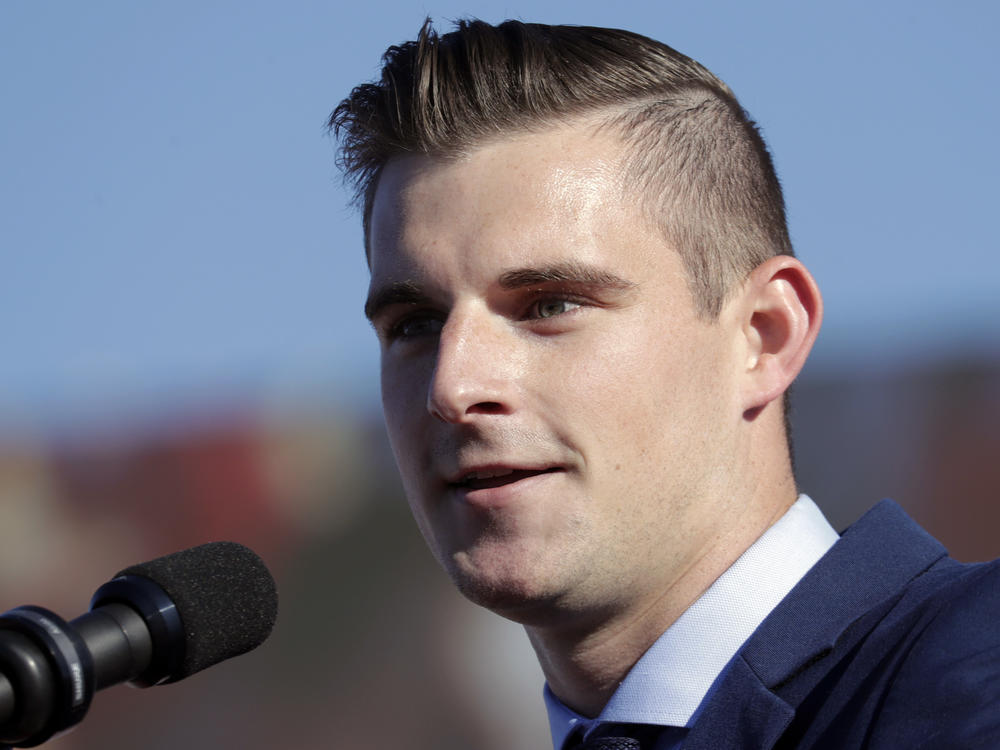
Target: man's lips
pixel 484 479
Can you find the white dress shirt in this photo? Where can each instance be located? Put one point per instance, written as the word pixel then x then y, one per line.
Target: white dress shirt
pixel 670 681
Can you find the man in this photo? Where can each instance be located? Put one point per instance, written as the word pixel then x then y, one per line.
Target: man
pixel 589 313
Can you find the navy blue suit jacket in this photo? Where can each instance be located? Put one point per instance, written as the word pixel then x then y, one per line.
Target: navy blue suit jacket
pixel 886 643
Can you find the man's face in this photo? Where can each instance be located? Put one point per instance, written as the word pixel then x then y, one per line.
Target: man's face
pixel 561 416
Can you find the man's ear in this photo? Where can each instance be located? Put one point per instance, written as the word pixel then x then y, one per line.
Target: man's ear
pixel 781 314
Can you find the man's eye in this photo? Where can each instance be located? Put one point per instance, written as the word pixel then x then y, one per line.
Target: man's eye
pixel 416 326
pixel 550 308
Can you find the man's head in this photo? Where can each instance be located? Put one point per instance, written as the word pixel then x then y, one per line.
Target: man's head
pixel 694 159
pixel 586 310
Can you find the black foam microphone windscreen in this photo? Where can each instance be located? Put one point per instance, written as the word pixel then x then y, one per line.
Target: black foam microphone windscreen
pixel 225 596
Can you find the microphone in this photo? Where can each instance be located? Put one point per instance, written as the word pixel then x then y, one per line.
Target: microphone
pixel 152 623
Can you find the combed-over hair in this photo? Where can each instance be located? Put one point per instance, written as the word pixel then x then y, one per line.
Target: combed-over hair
pixel 693 156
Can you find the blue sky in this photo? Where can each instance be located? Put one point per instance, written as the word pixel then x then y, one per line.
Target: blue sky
pixel 173 229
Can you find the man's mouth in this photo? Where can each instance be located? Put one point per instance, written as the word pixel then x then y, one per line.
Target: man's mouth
pixel 490 478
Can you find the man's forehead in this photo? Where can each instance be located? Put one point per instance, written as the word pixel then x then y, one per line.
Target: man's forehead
pixel 569 165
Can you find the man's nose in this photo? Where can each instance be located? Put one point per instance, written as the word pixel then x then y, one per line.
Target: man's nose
pixel 475 369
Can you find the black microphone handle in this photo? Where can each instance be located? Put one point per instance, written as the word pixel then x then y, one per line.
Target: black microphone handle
pixel 117 639
pixel 119 642
pixel 57 666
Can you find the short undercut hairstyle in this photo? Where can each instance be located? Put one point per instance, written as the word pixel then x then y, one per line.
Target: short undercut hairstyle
pixel 692 155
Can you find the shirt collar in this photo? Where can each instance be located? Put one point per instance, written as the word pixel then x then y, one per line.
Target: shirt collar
pixel 671 679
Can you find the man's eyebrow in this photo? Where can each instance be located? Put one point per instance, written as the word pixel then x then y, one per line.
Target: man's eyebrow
pixel 396 293
pixel 581 274
pixel 409 292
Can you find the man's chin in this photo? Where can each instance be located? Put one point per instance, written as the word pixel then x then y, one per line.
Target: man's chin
pixel 521 598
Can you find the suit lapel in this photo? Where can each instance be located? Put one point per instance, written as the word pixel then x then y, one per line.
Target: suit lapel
pixel 742 713
pixel 830 610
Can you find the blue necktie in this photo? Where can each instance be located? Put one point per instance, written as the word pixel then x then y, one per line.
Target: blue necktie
pixel 611 743
pixel 629 737
pixel 606 737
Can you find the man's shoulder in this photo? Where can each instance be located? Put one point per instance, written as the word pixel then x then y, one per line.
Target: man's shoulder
pixel 921 668
pixel 974 586
pixel 886 643
pixel 940 626
pixel 952 595
pixel 945 687
pixel 949 607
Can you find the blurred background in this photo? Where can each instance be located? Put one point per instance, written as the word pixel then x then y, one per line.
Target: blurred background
pixel 183 356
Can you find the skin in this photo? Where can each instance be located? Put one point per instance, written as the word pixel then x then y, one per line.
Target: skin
pixel 582 451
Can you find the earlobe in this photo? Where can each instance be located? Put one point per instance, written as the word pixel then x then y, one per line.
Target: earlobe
pixel 782 314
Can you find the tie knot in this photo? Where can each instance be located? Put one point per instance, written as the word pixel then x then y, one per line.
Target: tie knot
pixel 610 743
pixel 612 736
pixel 605 737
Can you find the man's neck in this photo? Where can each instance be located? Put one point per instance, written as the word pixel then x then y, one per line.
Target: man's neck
pixel 584 666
